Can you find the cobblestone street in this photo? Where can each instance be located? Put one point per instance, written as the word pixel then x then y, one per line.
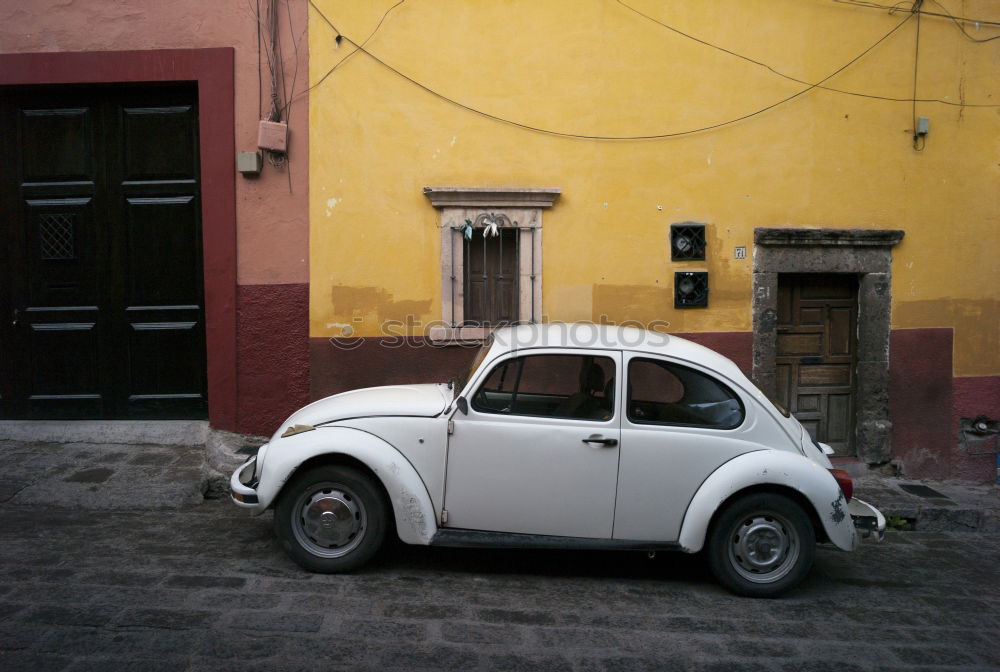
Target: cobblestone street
pixel 206 587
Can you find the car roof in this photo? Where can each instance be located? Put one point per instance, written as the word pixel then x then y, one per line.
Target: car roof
pixel 609 337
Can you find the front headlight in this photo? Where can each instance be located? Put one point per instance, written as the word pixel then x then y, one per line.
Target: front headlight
pixel 248 472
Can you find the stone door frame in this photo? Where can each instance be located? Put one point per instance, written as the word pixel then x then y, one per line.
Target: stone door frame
pixel 866 253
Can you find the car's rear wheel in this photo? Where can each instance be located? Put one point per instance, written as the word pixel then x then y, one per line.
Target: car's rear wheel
pixel 331 518
pixel 761 545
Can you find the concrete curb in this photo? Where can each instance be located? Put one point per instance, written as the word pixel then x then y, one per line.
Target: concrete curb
pixel 956 506
pixel 154 432
pixel 224 452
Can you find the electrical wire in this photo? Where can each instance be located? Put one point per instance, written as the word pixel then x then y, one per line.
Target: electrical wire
pixel 350 55
pixel 917 144
pixel 287 109
pixel 281 57
pixel 652 136
pixel 260 84
pixel 295 76
pixel 796 79
pixel 898 7
pixel 958 24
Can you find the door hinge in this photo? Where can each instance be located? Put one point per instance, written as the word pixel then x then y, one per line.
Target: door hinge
pixel 451 426
pixel 444 516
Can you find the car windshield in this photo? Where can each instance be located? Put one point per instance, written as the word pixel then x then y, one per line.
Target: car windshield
pixel 459 381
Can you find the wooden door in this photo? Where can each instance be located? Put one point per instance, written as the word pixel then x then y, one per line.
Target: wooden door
pixel 816 354
pixel 102 310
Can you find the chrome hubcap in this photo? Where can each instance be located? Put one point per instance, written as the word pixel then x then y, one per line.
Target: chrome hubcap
pixel 329 521
pixel 763 548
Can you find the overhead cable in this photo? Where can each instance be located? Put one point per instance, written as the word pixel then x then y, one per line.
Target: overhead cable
pixel 796 79
pixel 651 136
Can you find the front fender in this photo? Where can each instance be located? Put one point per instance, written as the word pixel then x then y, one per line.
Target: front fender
pixel 411 504
pixel 769 467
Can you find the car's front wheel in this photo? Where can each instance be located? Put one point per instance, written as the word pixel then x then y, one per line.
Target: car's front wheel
pixel 331 518
pixel 761 545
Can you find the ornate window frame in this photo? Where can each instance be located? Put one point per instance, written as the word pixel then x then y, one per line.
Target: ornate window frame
pixel 522 208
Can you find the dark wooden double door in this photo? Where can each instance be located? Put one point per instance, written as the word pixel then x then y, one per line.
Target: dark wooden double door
pixel 101 302
pixel 816 354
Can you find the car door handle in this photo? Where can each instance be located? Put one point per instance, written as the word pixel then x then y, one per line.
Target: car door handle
pixel 597 438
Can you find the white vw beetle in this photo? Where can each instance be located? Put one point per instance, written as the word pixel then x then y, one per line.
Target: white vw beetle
pixel 562 436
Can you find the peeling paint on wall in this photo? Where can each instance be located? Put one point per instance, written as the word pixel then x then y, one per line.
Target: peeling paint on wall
pixel 369 307
pixel 632 302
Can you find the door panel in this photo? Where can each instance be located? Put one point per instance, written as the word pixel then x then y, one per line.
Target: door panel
pixel 815 356
pixel 533 475
pixel 665 457
pixel 63 368
pixel 53 326
pixel 163 230
pixel 102 186
pixel 67 136
pixel 159 143
pixel 156 184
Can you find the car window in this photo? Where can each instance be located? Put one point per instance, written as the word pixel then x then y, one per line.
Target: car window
pixel 559 386
pixel 662 392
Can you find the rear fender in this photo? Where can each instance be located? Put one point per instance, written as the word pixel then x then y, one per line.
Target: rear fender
pixel 769 467
pixel 416 522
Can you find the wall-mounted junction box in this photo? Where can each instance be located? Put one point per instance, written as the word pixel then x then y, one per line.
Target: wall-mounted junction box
pixel 273 135
pixel 248 163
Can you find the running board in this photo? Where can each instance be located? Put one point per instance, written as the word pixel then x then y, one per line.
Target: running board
pixel 479 539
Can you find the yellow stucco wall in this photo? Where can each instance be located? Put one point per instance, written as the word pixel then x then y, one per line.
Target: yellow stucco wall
pixel 594 67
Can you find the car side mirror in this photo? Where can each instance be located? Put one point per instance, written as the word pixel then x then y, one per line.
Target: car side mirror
pixel 462 405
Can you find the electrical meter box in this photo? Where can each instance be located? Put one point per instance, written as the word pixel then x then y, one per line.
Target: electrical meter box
pixel 273 136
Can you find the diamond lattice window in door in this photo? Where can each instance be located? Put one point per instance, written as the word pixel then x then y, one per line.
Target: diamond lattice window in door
pixel 55 237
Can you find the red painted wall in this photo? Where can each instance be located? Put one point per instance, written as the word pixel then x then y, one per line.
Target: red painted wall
pixel 368 362
pixel 736 345
pixel 972 397
pixel 273 354
pixel 347 364
pixel 920 401
pixel 926 404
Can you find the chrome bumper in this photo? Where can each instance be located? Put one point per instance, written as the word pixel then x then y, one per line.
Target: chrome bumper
pixel 243 484
pixel 868 520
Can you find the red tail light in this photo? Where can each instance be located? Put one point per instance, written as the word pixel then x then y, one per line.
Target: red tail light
pixel 844 481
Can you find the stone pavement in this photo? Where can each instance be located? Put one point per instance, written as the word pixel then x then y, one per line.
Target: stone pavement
pixel 101 476
pixel 111 560
pixel 933 506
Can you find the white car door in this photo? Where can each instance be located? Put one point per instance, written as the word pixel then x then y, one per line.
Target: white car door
pixel 679 424
pixel 537 452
